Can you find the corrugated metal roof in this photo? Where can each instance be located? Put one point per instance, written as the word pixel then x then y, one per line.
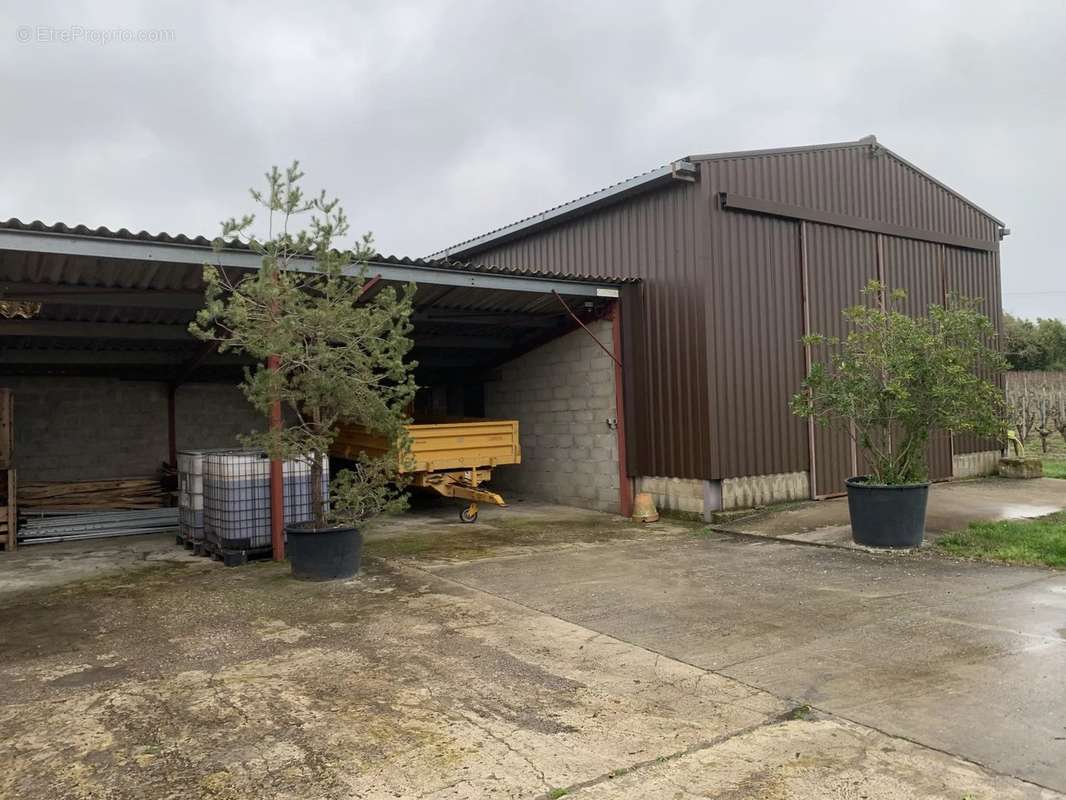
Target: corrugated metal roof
pixel 648 180
pixel 124 234
pixel 120 302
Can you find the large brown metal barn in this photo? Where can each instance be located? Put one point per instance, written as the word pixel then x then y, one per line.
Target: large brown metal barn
pixel 739 255
pixel 646 336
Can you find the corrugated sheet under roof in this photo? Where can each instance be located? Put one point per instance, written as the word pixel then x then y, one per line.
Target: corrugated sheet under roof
pixel 163 238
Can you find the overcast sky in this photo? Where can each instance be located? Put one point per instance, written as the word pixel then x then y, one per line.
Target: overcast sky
pixel 436 121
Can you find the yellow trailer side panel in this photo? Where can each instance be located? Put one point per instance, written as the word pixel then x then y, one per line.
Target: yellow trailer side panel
pixel 442 445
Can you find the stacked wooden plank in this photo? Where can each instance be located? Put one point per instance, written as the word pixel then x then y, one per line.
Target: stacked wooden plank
pixel 119 493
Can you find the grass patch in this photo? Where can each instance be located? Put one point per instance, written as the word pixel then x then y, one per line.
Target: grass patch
pixel 1040 541
pixel 800 712
pixel 1055 467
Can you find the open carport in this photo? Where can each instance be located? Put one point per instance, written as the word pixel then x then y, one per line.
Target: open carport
pixel 109 383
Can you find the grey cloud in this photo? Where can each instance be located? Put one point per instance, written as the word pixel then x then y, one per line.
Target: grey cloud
pixel 436 121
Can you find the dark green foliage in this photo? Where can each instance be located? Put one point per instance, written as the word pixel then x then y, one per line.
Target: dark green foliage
pixel 1039 345
pixel 338 358
pixel 895 379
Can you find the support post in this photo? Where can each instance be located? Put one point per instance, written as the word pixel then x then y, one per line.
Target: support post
pixel 625 487
pixel 172 428
pixel 277 483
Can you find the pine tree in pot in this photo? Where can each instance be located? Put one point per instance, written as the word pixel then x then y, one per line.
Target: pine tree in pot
pixel 892 382
pixel 326 353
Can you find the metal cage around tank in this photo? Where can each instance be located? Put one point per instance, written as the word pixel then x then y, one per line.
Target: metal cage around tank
pixel 236 500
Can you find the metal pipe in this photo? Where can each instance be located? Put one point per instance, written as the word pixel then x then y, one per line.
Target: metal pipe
pixel 584 327
pixel 625 488
pixel 367 286
pixel 83 536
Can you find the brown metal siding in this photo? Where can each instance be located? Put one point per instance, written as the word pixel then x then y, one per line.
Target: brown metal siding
pixel 844 181
pixel 917 268
pixel 755 301
pixel 634 352
pixel 975 275
pixel 840 262
pixel 722 296
pixel 660 237
pixel 855 182
pixel 914 267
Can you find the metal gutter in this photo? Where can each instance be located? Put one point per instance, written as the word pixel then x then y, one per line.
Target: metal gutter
pixel 165 252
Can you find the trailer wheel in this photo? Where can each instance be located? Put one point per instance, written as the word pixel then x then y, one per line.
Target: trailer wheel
pixel 466 515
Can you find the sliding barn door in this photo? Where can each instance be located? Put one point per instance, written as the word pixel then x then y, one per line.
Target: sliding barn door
pixel 840 262
pixel 918 268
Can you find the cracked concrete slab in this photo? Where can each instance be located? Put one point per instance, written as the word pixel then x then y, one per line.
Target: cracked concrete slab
pixel 181 682
pixel 147 674
pixel 964 657
pixel 799 760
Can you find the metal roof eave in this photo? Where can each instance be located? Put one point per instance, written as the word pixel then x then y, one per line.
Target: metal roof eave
pixel 164 252
pixel 582 205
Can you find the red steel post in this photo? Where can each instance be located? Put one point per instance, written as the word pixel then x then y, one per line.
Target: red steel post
pixel 625 487
pixel 277 483
pixel 172 428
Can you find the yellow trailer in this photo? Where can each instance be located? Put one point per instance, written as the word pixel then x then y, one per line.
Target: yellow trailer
pixel 450 457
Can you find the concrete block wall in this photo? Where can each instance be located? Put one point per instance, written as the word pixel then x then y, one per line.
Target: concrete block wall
pixel 972 465
pixel 703 497
pixel 764 490
pixel 561 394
pixel 686 495
pixel 69 428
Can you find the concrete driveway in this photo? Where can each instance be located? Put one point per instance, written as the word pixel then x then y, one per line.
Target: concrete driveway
pixel 543 652
pixel 967 658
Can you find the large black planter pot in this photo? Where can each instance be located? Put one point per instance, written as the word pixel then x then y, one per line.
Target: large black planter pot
pixel 887 516
pixel 323 555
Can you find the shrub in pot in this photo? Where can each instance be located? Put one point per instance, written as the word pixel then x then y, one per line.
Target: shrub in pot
pixel 892 382
pixel 326 355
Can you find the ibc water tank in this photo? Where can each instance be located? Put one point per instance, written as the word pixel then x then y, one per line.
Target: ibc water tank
pixel 236 497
